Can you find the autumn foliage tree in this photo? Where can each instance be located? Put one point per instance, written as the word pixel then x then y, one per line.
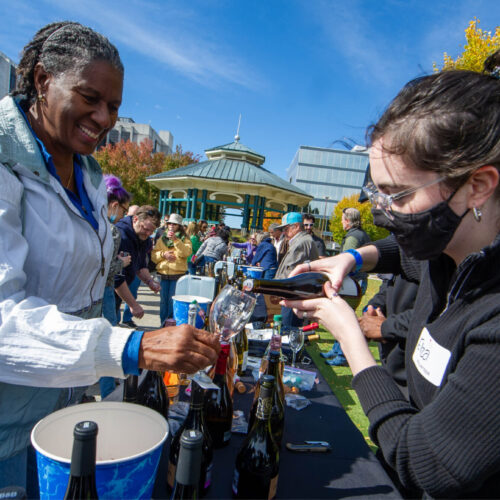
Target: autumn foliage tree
pixel 271 218
pixel 134 163
pixel 374 232
pixel 480 44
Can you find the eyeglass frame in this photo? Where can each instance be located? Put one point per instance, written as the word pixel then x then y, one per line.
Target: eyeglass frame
pixel 372 192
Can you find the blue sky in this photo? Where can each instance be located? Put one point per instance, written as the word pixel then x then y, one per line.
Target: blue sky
pixel 299 72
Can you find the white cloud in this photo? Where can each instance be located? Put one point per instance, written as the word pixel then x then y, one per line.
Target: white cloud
pixel 170 36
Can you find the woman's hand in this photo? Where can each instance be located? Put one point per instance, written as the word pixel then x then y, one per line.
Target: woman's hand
pixel 182 349
pixel 169 256
pixel 338 317
pixel 171 235
pixel 333 313
pixel 337 268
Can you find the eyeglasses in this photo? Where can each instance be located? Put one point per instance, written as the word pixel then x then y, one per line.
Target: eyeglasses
pixel 308 225
pixel 384 201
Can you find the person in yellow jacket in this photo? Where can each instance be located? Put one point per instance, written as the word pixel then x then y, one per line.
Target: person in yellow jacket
pixel 170 256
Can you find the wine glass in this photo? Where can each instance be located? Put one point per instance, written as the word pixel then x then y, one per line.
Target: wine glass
pixel 295 341
pixel 230 312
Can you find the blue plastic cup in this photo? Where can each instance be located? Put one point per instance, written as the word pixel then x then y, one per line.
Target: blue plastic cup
pixel 129 444
pixel 181 308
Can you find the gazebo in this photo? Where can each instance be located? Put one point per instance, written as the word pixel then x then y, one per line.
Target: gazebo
pixel 232 177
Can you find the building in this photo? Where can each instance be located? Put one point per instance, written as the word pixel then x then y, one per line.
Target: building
pixel 7 75
pixel 232 177
pixel 328 175
pixel 126 129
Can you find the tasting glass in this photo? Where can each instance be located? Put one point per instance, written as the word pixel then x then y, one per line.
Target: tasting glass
pixel 295 341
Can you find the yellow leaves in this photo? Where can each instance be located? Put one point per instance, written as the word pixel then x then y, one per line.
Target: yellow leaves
pixel 480 44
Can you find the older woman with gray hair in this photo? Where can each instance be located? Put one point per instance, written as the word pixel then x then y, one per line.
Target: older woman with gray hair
pixel 56 244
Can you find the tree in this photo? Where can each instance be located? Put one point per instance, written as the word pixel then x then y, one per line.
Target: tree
pixel 480 44
pixel 134 163
pixel 374 232
pixel 271 218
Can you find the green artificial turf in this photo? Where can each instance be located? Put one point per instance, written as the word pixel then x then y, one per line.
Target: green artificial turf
pixel 339 377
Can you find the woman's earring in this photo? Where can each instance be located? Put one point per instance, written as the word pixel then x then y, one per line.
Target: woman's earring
pixel 476 212
pixel 41 98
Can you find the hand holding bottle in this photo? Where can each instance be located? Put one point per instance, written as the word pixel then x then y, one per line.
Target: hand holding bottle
pixel 181 349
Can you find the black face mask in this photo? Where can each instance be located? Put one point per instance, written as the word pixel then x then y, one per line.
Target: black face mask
pixel 423 235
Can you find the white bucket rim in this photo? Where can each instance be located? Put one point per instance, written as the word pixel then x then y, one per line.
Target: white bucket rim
pixel 190 298
pixel 102 405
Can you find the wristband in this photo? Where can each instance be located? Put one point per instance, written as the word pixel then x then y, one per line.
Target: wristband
pixel 357 257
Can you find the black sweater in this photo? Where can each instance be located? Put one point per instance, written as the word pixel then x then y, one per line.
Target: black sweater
pixel 446 440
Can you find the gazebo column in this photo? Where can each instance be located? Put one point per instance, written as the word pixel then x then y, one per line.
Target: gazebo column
pixel 188 203
pixel 194 202
pixel 261 212
pixel 203 209
pixel 163 202
pixel 246 213
pixel 255 218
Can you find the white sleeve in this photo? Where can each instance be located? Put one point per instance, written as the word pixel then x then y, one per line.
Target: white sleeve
pixel 39 345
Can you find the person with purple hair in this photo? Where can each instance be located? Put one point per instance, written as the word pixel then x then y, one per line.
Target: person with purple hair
pixel 118 205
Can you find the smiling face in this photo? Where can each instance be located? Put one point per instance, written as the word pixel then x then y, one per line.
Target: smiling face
pixel 79 108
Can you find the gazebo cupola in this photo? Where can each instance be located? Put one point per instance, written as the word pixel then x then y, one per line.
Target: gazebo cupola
pixel 233 177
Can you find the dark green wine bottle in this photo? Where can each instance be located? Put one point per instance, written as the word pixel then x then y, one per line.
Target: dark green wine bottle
pixel 194 420
pixel 187 473
pixel 130 389
pixel 278 401
pixel 153 393
pixel 257 463
pixel 81 484
pixel 219 405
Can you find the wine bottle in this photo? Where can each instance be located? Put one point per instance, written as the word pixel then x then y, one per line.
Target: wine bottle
pixel 187 473
pixel 153 393
pixel 301 286
pixel 130 389
pixel 219 405
pixel 194 420
pixel 241 342
pixel 81 484
pixel 257 463
pixel 232 366
pixel 273 345
pixel 278 399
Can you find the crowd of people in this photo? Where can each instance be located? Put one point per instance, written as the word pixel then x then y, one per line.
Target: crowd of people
pixel 73 250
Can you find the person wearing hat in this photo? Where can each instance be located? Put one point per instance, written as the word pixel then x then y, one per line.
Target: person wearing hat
pixel 301 248
pixel 279 240
pixel 170 255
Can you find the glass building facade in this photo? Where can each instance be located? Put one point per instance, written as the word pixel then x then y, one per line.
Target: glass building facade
pixel 328 174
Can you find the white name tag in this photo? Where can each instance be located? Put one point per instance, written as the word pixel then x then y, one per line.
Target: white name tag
pixel 430 358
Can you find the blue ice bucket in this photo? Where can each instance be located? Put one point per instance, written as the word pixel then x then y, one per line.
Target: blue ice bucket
pixel 129 444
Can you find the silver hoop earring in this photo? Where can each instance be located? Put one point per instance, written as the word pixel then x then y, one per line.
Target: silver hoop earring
pixel 476 212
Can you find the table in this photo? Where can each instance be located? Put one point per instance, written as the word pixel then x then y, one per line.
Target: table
pixel 350 470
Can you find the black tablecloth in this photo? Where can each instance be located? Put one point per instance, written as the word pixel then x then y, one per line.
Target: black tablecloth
pixel 350 470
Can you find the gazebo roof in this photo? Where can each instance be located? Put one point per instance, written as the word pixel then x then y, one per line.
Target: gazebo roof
pixel 225 169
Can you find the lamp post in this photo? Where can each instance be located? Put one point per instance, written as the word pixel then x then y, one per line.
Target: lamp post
pixel 324 215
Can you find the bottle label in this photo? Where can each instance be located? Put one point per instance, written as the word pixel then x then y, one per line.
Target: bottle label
pixel 236 478
pixel 244 363
pixel 208 477
pixel 273 487
pixel 227 436
pixel 264 408
pixel 171 474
